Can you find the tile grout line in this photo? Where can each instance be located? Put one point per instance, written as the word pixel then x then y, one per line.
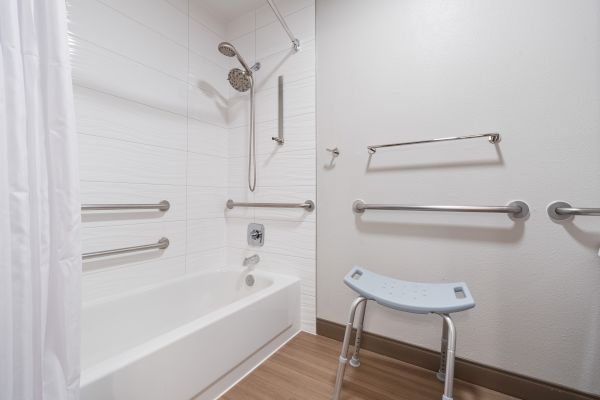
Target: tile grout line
pixel 188 17
pixel 187 148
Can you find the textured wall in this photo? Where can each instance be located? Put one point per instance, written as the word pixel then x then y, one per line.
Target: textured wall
pixel 393 70
pixel 151 104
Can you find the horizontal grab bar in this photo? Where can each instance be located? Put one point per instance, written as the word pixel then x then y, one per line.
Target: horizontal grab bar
pixel 492 138
pixel 517 209
pixel 162 206
pixel 163 243
pixel 559 210
pixel 308 205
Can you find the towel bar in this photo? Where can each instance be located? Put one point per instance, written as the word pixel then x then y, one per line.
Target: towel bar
pixel 517 209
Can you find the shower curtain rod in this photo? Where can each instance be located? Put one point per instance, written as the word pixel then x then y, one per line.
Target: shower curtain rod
pixel 295 40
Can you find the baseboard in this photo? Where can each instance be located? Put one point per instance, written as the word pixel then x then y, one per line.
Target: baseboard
pixel 492 378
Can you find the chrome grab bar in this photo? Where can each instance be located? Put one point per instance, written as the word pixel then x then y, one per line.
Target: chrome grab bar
pixel 309 205
pixel 295 40
pixel 516 209
pixel 163 243
pixel 162 206
pixel 279 138
pixel 559 210
pixel 492 138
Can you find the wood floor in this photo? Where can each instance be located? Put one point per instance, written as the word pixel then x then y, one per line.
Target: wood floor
pixel 304 369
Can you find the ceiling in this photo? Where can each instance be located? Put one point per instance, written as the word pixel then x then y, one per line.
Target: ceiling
pixel 227 10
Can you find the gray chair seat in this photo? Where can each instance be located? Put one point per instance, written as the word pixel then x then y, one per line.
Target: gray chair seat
pixel 413 297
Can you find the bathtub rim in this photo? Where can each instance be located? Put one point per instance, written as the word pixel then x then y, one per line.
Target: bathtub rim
pixel 138 352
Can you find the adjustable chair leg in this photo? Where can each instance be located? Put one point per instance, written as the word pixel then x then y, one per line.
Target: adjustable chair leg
pixel 346 344
pixel 450 355
pixel 441 375
pixel 355 360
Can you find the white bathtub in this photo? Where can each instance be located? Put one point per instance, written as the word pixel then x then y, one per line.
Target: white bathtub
pixel 191 337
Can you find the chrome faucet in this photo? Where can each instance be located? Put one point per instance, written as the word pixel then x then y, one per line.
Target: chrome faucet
pixel 251 261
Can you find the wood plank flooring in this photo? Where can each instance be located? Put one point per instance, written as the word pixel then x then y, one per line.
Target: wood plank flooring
pixel 304 369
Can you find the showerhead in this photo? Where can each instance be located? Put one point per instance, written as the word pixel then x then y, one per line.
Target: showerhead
pixel 227 49
pixel 240 80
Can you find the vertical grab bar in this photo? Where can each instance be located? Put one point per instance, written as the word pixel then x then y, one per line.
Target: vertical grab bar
pixel 279 139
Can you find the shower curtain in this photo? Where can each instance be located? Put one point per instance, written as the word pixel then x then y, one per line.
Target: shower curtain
pixel 40 251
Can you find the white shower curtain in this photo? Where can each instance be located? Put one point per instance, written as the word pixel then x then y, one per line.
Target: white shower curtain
pixel 40 251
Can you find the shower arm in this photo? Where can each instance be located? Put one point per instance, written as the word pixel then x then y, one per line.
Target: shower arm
pixel 243 62
pixel 295 40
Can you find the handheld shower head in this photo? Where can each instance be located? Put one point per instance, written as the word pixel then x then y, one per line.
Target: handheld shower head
pixel 242 81
pixel 227 49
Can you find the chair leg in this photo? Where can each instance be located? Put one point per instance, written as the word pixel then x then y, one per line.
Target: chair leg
pixel 346 344
pixel 441 375
pixel 355 360
pixel 450 354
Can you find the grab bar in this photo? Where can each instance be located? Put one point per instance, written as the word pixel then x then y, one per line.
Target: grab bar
pixel 309 205
pixel 163 243
pixel 162 206
pixel 286 28
pixel 492 138
pixel 279 138
pixel 559 210
pixel 517 209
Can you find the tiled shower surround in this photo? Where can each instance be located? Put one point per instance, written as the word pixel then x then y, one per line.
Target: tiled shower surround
pixel 157 120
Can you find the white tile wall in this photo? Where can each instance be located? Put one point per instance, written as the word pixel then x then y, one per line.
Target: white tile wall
pixel 103 70
pixel 169 18
pixel 151 114
pixel 285 173
pixel 158 121
pixel 127 37
pixel 105 115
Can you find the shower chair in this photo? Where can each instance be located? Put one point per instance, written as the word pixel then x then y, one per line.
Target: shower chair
pixel 418 298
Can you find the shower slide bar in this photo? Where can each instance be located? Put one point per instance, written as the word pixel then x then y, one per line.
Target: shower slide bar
pixel 308 205
pixel 162 244
pixel 559 210
pixel 516 209
pixel 492 138
pixel 162 206
pixel 294 39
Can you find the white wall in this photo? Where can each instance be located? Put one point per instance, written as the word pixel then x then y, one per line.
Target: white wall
pixel 158 120
pixel 151 104
pixel 391 71
pixel 284 173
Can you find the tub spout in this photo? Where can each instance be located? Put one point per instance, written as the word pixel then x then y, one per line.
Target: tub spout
pixel 251 261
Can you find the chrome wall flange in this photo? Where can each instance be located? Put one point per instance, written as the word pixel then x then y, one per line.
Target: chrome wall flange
pixel 358 206
pixel 310 205
pixel 553 213
pixel 524 213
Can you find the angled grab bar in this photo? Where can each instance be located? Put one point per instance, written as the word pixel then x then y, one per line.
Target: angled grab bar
pixel 516 209
pixel 294 39
pixel 162 206
pixel 308 205
pixel 163 243
pixel 492 138
pixel 559 210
